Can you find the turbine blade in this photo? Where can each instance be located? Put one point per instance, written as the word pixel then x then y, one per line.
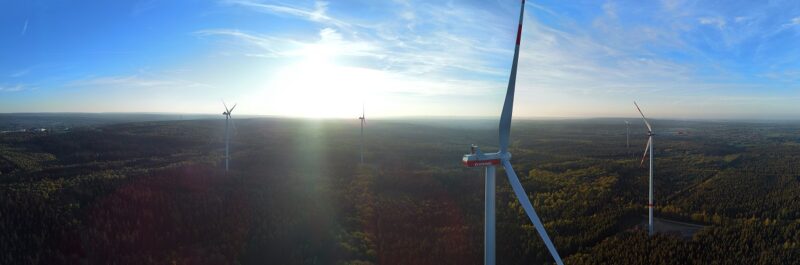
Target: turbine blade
pixel 226 107
pixel 508 105
pixel 643 118
pixel 526 204
pixel 234 106
pixel 646 147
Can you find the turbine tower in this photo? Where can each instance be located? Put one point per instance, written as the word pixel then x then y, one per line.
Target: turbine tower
pixel 627 135
pixel 363 122
pixel 489 160
pixel 227 114
pixel 648 147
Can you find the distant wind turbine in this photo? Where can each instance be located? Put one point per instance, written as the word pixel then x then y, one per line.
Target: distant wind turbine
pixel 649 146
pixel 627 135
pixel 363 122
pixel 227 114
pixel 478 159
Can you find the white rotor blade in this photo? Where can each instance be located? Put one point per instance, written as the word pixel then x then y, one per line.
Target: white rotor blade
pixel 646 147
pixel 643 118
pixel 226 107
pixel 508 105
pixel 526 204
pixel 234 106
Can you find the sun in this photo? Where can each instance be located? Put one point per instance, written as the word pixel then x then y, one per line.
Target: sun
pixel 318 87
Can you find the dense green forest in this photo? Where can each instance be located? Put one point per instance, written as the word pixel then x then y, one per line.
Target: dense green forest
pixel 157 193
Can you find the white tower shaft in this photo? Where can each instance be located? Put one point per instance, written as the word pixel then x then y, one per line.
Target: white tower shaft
pixel 362 140
pixel 227 143
pixel 363 120
pixel 650 193
pixel 489 215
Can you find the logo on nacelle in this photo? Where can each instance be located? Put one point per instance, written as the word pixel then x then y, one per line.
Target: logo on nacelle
pixel 481 163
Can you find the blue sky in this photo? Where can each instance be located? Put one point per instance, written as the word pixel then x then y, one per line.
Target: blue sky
pixel 679 59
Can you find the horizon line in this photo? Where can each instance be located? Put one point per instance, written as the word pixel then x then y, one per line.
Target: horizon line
pixel 426 117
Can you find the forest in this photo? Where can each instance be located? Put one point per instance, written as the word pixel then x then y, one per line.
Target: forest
pixel 156 192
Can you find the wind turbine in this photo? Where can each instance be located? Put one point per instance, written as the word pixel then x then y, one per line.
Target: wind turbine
pixel 363 122
pixel 489 160
pixel 227 114
pixel 627 135
pixel 649 146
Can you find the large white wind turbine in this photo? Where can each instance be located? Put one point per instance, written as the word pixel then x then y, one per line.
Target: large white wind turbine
pixel 227 114
pixel 648 147
pixel 488 160
pixel 363 119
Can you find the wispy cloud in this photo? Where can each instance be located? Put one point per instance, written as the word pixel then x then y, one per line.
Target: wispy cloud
pixel 713 21
pixel 791 76
pixel 265 46
pixel 262 45
pixel 143 6
pixel 14 88
pixel 24 28
pixel 795 21
pixel 21 72
pixel 142 80
pixel 316 14
pixel 556 60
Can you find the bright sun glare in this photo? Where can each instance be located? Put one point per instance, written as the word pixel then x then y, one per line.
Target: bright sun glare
pixel 317 87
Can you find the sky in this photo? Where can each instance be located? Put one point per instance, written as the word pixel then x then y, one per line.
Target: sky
pixel 304 58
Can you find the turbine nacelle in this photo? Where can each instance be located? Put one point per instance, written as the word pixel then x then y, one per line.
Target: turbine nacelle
pixel 227 112
pixel 476 158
